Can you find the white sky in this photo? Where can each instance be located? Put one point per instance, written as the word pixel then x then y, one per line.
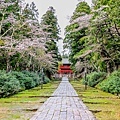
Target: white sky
pixel 64 8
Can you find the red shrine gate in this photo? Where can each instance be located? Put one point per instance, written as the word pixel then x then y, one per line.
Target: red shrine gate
pixel 64 69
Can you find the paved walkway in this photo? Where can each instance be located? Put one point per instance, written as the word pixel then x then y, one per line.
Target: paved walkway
pixel 64 104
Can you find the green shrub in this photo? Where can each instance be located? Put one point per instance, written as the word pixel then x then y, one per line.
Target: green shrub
pixel 116 73
pixel 94 78
pixel 34 76
pixel 112 83
pixel 27 79
pixel 20 76
pixel 46 80
pixel 8 85
pixel 2 72
pixel 14 81
pixel 29 83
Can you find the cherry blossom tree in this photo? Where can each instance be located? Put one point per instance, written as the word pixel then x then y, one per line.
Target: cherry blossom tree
pixel 20 33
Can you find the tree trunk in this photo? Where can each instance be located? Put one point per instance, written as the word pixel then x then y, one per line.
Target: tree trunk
pixel 7 64
pixel 108 68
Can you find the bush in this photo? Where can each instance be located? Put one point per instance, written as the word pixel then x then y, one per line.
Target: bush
pixel 94 78
pixel 21 77
pixel 34 76
pixel 8 85
pixel 29 83
pixel 2 72
pixel 116 73
pixel 27 79
pixel 13 82
pixel 112 83
pixel 46 80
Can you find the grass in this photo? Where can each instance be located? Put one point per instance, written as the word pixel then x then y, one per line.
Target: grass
pixel 24 104
pixel 104 106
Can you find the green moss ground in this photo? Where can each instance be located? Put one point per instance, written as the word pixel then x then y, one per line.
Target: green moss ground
pixel 104 106
pixel 24 104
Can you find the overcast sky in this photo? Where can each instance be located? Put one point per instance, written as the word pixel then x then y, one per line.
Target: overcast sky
pixel 64 9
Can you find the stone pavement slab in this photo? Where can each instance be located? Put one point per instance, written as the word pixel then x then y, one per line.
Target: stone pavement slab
pixel 64 104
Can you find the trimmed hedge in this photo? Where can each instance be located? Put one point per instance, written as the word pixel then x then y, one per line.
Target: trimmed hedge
pixel 112 83
pixel 21 77
pixel 8 85
pixel 35 77
pixel 94 78
pixel 14 82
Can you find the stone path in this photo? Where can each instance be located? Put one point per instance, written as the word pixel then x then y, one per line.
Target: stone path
pixel 64 104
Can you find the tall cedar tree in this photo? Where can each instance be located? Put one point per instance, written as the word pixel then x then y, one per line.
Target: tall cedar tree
pixel 73 33
pixel 49 24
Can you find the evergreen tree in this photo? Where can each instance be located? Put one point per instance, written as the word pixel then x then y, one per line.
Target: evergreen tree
pixel 50 20
pixel 50 25
pixel 105 31
pixel 99 45
pixel 76 30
